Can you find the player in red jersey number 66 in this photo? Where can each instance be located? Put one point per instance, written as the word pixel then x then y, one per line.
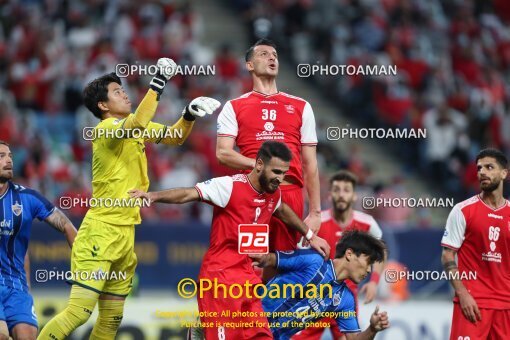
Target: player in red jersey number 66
pixel 239 199
pixel 478 232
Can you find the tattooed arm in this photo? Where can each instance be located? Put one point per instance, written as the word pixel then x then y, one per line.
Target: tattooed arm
pixel 60 222
pixel 467 302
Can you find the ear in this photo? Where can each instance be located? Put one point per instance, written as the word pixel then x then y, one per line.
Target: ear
pixel 249 66
pixel 505 173
pixel 102 106
pixel 259 164
pixel 348 254
pixel 355 197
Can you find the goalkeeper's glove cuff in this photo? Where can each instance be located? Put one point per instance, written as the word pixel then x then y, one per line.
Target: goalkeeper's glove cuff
pixel 158 84
pixel 187 115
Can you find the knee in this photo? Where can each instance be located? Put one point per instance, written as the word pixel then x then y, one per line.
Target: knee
pixel 24 332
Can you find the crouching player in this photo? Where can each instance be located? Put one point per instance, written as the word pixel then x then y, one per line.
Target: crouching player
pixel 291 312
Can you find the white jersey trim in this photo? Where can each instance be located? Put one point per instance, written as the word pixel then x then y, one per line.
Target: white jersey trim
pixel 308 133
pixel 216 191
pixel 455 229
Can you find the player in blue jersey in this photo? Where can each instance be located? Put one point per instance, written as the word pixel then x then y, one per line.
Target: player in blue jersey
pixel 355 254
pixel 19 206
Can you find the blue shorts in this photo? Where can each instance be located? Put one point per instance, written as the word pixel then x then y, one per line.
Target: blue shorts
pixel 16 307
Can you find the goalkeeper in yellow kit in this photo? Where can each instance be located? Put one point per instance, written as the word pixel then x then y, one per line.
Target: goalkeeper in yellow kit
pixel 105 241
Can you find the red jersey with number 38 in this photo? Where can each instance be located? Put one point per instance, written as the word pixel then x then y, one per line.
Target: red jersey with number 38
pixel 235 202
pixel 481 236
pixel 255 118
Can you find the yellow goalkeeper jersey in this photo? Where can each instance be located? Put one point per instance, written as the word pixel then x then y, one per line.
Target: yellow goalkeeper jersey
pixel 119 163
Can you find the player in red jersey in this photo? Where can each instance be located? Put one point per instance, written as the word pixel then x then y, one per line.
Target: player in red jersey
pixel 341 218
pixel 239 199
pixel 478 232
pixel 268 114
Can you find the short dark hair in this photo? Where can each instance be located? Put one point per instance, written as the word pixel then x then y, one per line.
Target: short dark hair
pixel 266 42
pixel 4 143
pixel 361 243
pixel 97 91
pixel 272 149
pixel 344 176
pixel 494 153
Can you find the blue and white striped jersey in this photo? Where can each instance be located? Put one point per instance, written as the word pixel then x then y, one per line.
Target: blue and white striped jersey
pixel 292 314
pixel 18 208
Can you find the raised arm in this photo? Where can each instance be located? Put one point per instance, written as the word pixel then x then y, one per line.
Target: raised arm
pixel 179 132
pixel 171 196
pixel 291 220
pixel 227 156
pixel 147 108
pixel 60 222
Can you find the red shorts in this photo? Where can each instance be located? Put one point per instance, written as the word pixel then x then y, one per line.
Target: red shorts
pixel 315 333
pixel 225 325
pixel 282 237
pixel 494 325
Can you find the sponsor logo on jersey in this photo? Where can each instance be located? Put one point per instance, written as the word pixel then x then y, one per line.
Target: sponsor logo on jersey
pixel 290 109
pixel 6 232
pixel 256 200
pixel 491 256
pixel 5 224
pixel 268 126
pixel 271 205
pixel 17 209
pixel 445 233
pixel 270 135
pixel 253 238
pixel 268 102
pixel 495 216
pixel 207 182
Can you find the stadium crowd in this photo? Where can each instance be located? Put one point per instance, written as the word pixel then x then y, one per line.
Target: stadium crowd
pixel 452 57
pixel 50 50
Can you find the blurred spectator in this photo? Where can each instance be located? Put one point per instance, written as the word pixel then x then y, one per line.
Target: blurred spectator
pixel 453 61
pixel 393 215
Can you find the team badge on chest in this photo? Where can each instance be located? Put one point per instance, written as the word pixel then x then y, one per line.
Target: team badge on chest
pixel 17 209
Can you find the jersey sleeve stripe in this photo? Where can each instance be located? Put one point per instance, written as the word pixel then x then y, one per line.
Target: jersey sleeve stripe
pixel 226 135
pixel 310 143
pixel 449 246
pixel 199 193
